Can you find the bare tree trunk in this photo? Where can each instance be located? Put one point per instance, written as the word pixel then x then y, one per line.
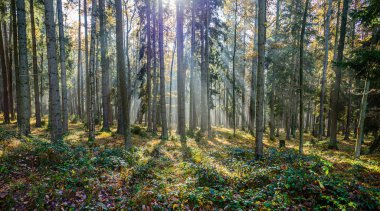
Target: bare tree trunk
pixel 181 72
pixel 121 73
pixel 260 78
pixel 325 65
pixel 5 78
pixel 16 60
pixel 106 93
pixel 55 102
pixel 204 92
pixel 301 76
pixel 162 71
pixel 91 71
pixel 233 74
pixel 86 63
pixel 79 73
pixel 155 83
pixel 35 67
pixel 192 107
pixel 148 70
pixel 170 87
pixel 363 109
pixel 333 144
pixel 65 115
pixel 252 104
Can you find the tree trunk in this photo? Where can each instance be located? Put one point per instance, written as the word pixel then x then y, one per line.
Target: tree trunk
pixel 16 61
pixel 86 63
pixel 233 74
pixel 260 78
pixel 5 78
pixel 181 72
pixel 148 64
pixel 192 107
pixel 325 65
pixel 121 72
pixel 65 115
pixel 301 76
pixel 170 87
pixel 91 71
pixel 155 83
pixel 80 74
pixel 162 71
pixel 106 94
pixel 204 92
pixel 35 67
pixel 55 102
pixel 363 109
pixel 252 104
pixel 333 144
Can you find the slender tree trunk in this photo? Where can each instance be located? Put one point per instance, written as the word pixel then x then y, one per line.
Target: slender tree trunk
pixel 338 77
pixel 162 71
pixel 181 72
pixel 363 109
pixel 252 104
pixel 8 52
pixel 86 63
pixel 79 73
pixel 65 115
pixel 155 83
pixel 233 74
pixel 55 102
pixel 301 76
pixel 204 92
pixel 148 62
pixel 35 67
pixel 260 78
pixel 5 78
pixel 106 93
pixel 325 65
pixel 192 107
pixel 16 61
pixel 91 72
pixel 121 72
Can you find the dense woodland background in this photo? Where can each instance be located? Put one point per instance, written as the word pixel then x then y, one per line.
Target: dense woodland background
pixel 139 94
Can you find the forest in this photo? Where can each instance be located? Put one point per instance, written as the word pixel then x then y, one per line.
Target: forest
pixel 189 105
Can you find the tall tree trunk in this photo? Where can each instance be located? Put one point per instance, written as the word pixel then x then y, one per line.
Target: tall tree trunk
pixel 16 61
pixel 192 107
pixel 86 63
pixel 55 102
pixel 121 72
pixel 35 67
pixel 181 72
pixel 62 54
pixel 148 70
pixel 91 71
pixel 301 77
pixel 79 73
pixel 8 52
pixel 260 78
pixel 252 103
pixel 204 92
pixel 363 108
pixel 23 75
pixel 338 77
pixel 325 65
pixel 155 83
pixel 5 78
pixel 162 71
pixel 233 74
pixel 106 94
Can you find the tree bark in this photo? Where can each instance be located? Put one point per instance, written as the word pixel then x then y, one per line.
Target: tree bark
pixel 252 104
pixel 233 73
pixel 65 115
pixel 260 78
pixel 7 119
pixel 55 102
pixel 363 109
pixel 333 144
pixel 91 72
pixel 192 109
pixel 164 125
pixel 121 73
pixel 148 70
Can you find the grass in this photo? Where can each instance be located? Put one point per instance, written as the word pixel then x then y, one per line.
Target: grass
pixel 217 173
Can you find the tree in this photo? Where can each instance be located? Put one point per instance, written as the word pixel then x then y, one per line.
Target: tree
pixel 192 110
pixel 301 114
pixel 91 72
pixel 333 144
pixel 55 102
pixel 5 78
pixel 62 54
pixel 233 72
pixel 260 78
pixel 363 109
pixel 80 74
pixel 148 66
pixel 23 75
pixel 86 62
pixel 162 71
pixel 204 70
pixel 106 94
pixel 252 103
pixel 121 73
pixel 325 65
pixel 35 67
pixel 181 71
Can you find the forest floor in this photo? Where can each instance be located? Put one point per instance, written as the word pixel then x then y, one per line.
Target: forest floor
pixel 200 174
